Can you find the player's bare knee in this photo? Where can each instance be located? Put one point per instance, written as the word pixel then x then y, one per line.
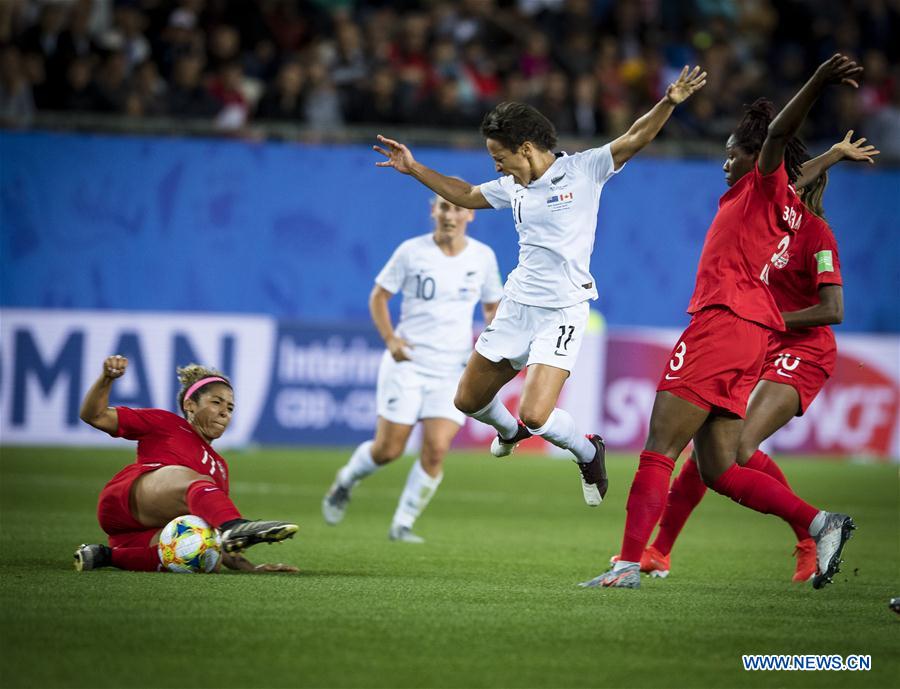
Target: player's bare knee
pixel 432 459
pixel 745 451
pixel 533 418
pixel 709 475
pixel 384 452
pixel 465 404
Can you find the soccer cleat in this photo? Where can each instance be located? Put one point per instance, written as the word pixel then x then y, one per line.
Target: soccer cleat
pixel 250 533
pixel 501 447
pixel 594 482
pixel 829 544
pixel 404 534
pixel 626 578
pixel 92 556
pixel 805 552
pixel 334 504
pixel 653 562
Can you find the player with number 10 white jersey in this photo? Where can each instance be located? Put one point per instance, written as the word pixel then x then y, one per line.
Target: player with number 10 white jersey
pixel 442 276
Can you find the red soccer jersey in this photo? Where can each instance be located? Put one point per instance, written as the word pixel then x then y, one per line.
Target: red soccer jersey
pixel 166 438
pixel 752 229
pixel 811 262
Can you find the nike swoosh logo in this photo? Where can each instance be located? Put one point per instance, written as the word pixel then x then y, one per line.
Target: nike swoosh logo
pixel 668 377
pixel 206 490
pixel 556 180
pixel 560 354
pixel 786 375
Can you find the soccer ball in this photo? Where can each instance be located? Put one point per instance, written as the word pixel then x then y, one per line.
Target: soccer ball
pixel 188 545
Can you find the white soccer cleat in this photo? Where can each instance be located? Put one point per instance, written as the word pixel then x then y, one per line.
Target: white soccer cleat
pixel 404 534
pixel 829 545
pixel 501 447
pixel 334 504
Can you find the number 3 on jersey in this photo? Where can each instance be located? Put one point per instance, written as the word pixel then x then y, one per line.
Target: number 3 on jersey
pixel 677 360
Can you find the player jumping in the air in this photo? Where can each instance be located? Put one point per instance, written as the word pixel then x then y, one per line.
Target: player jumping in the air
pixel 544 312
pixel 442 276
pixel 177 472
pixel 716 363
pixel 806 286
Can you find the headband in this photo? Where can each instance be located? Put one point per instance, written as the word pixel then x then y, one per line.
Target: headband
pixel 200 383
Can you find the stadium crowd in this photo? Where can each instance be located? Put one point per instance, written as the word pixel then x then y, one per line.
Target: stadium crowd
pixel 590 65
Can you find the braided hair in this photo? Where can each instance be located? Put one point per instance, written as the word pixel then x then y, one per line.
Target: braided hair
pixel 753 129
pixel 190 374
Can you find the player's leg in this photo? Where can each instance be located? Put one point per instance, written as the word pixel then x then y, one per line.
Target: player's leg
pixel 541 416
pixel 389 442
pixel 716 446
pixel 771 406
pixel 159 496
pixel 135 551
pixel 476 394
pixel 673 422
pixel 424 477
pixel 500 353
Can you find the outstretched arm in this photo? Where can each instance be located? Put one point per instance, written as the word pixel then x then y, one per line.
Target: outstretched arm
pixel 842 150
pixel 838 69
pixel 456 191
pixel 95 409
pixel 645 129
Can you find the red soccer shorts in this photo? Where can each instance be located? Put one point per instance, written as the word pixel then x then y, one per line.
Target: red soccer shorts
pixel 717 361
pixel 114 504
pixel 805 377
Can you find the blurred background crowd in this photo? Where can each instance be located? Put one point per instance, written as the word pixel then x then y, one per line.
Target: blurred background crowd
pixel 592 66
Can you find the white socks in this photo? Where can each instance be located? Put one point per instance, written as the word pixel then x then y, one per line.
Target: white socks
pixel 560 430
pixel 497 415
pixel 419 489
pixel 360 465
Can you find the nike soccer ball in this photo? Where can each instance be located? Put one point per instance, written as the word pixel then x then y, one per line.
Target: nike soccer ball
pixel 188 545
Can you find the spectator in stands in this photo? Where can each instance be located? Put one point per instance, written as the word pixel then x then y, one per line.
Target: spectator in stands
pixel 284 100
pixel 187 97
pixel 16 100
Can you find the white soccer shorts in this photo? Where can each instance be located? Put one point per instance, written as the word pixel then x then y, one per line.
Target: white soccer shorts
pixel 526 335
pixel 405 395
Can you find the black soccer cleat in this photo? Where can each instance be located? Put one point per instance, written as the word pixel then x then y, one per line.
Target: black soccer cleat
pixel 594 481
pixel 503 447
pixel 248 533
pixel 92 556
pixel 830 543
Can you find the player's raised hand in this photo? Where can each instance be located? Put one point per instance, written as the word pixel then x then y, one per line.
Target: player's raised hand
pixel 686 84
pixel 855 150
pixel 399 348
pixel 114 366
pixel 398 156
pixel 840 69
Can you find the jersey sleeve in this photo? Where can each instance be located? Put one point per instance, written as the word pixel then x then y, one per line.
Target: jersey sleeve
pixel 497 192
pixel 774 185
pixel 393 274
pixel 823 259
pixel 597 163
pixel 134 424
pixel 492 289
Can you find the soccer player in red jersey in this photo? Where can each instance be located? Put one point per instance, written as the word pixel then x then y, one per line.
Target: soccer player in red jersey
pixel 177 472
pixel 716 363
pixel 806 286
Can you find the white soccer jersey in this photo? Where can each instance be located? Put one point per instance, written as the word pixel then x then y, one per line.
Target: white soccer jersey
pixel 556 218
pixel 439 294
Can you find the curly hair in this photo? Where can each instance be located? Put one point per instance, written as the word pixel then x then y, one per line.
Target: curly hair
pixel 753 129
pixel 190 374
pixel 512 124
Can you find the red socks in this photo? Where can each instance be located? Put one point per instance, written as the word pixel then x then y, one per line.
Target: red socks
pixel 208 501
pixel 136 559
pixel 760 461
pixel 686 493
pixel 645 502
pixel 762 493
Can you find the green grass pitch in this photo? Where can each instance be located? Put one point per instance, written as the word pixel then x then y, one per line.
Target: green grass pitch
pixel 489 601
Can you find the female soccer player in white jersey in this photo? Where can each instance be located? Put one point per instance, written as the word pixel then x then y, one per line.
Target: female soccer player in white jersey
pixel 442 275
pixel 541 320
